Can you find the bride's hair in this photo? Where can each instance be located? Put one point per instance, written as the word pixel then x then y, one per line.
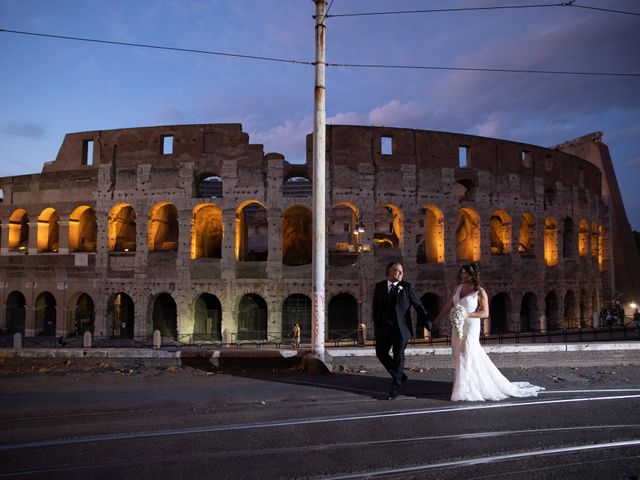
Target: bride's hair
pixel 473 269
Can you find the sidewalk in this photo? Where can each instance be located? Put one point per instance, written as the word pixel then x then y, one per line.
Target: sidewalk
pixel 337 359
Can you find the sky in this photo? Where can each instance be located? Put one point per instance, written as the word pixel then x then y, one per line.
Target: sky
pixel 50 87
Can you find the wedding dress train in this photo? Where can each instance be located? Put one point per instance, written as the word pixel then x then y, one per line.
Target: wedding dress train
pixel 476 377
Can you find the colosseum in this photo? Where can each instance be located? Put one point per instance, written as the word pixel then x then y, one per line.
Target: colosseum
pixel 194 231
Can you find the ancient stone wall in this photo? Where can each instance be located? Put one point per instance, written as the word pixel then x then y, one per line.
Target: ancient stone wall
pixel 194 231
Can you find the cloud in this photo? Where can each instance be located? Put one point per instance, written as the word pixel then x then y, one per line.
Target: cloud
pixel 288 138
pixel 170 114
pixel 24 129
pixel 398 114
pixel 347 118
pixel 635 163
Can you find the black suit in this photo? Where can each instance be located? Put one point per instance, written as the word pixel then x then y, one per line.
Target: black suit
pixel 392 325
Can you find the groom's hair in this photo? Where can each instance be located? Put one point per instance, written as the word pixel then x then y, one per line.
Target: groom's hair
pixel 392 264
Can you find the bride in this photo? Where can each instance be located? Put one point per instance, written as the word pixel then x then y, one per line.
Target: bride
pixel 476 377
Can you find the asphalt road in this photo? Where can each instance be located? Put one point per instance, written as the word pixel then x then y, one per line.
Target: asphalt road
pixel 101 421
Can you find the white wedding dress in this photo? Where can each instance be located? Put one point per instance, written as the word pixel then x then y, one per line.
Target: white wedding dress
pixel 477 378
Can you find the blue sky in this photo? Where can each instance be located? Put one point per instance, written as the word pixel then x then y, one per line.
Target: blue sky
pixel 51 87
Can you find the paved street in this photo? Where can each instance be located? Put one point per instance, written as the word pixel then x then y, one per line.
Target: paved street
pixel 107 421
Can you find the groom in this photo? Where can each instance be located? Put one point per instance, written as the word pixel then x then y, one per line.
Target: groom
pixel 392 299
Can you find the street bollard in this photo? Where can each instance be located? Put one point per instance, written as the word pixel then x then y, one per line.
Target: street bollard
pixel 17 340
pixel 157 339
pixel 86 340
pixel 362 334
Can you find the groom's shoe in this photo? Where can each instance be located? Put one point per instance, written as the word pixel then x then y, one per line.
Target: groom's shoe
pixel 393 394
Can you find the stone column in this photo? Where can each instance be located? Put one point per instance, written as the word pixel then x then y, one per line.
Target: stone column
pixel 4 239
pixel 33 237
pixel 63 234
pixel 228 261
pixel 274 260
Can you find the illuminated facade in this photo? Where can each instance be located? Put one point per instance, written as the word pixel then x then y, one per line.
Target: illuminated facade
pixel 193 231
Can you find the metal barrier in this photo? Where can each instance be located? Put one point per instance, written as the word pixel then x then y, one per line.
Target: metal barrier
pixel 335 338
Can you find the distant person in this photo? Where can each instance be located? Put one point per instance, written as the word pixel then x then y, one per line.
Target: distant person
pixel 295 336
pixel 476 377
pixel 636 318
pixel 392 300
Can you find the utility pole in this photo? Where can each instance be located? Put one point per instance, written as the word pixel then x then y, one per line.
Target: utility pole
pixel 319 224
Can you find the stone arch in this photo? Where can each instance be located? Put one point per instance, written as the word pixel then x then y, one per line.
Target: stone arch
pixel 163 230
pixel 121 315
pixel 550 241
pixel 81 314
pixel 15 312
pixel 206 232
pixel 432 304
pixel 122 228
pixel 343 236
pixel 252 318
pixel 209 185
pixel 296 308
pixel 551 310
pixel 529 316
pixel 297 236
pixel 467 235
pixel 388 228
pixel 500 232
pixel 463 191
pixel 48 230
pixel 208 316
pixel 83 230
pixel 584 308
pixel 19 230
pixel 297 186
pixel 498 312
pixel 164 315
pixel 431 245
pixel 252 232
pixel 45 315
pixel 568 240
pixel 527 234
pixel 343 316
pixel 583 238
pixel 570 312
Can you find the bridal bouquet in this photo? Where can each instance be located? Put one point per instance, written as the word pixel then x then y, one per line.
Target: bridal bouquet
pixel 457 315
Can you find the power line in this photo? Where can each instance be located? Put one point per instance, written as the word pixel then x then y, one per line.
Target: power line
pixel 303 62
pixel 157 47
pixel 480 69
pixel 471 9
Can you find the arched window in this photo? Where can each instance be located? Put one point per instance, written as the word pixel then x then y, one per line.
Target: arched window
pixel 252 318
pixel 551 311
pixel 388 228
pixel 206 232
pixel 82 313
pixel 500 233
pixel 165 316
pixel 343 317
pixel 297 187
pixel 48 230
pixel 252 233
pixel 297 236
pixel 529 320
pixel 570 313
pixel 431 246
pixel 163 228
pixel 526 237
pixel 120 311
pixel 83 230
pixel 19 231
pixel 210 186
pixel 296 309
pixel 45 315
pixel 467 235
pixel 208 317
pixel 15 312
pixel 122 228
pixel 550 242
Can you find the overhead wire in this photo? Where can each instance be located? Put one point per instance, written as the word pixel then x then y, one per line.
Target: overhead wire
pixel 471 9
pixel 356 65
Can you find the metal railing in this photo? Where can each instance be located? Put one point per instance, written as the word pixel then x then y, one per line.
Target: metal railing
pixel 335 338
